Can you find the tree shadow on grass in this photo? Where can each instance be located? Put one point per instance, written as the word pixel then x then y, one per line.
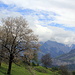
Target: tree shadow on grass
pixel 3 70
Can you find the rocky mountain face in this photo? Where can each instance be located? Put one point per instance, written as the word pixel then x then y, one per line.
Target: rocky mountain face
pixel 54 48
pixel 70 56
pixel 67 59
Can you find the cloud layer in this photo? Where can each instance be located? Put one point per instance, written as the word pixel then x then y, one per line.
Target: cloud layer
pixel 50 19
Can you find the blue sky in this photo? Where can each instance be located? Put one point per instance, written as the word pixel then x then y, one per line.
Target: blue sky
pixel 50 19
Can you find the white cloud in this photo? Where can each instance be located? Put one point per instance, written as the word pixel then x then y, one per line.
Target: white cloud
pixel 50 32
pixel 54 34
pixel 6 13
pixel 65 8
pixel 66 16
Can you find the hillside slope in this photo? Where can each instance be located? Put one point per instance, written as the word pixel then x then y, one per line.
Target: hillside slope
pixel 68 56
pixel 21 70
pixel 65 59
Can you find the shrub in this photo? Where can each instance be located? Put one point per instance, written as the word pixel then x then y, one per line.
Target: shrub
pixel 33 64
pixel 41 69
pixel 73 73
pixel 54 69
pixel 63 70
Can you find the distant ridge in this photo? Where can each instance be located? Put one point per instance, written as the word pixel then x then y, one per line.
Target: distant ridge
pixel 70 56
pixel 54 48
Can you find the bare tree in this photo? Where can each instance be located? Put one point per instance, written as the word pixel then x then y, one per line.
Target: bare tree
pixel 46 60
pixel 30 55
pixel 16 37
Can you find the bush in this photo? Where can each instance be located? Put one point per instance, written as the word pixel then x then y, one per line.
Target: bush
pixel 63 70
pixel 37 64
pixel 54 69
pixel 41 69
pixel 73 73
pixel 33 64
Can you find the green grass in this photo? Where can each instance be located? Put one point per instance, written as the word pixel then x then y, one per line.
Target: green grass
pixel 43 71
pixel 21 70
pixel 16 70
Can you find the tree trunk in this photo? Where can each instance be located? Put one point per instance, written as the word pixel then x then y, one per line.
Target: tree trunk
pixel 0 58
pixel 10 64
pixel 0 63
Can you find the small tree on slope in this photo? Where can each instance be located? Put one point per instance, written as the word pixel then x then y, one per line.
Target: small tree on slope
pixel 46 60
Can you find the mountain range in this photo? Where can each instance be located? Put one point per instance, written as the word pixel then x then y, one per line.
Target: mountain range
pixel 54 48
pixel 67 59
pixel 70 56
pixel 61 54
